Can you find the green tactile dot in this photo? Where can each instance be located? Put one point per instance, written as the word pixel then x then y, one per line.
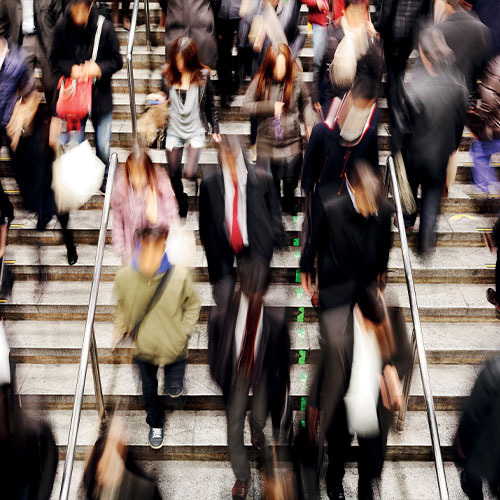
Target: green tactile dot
pixel 302 357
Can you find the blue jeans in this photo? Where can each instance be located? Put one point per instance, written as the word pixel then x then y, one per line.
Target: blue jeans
pixel 481 153
pixel 174 382
pixel 320 39
pixel 102 137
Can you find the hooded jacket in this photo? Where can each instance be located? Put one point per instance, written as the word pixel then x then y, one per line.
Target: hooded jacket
pixel 164 333
pixel 73 45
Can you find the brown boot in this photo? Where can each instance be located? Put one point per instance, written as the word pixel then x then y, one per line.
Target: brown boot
pixel 240 490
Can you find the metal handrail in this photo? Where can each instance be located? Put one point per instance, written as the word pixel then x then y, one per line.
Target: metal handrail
pixel 89 345
pixel 130 68
pixel 417 344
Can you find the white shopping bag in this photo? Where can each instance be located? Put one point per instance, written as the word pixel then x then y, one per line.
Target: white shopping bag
pixel 181 246
pixel 363 392
pixel 76 175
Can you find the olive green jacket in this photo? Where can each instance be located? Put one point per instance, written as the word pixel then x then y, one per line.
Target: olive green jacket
pixel 164 333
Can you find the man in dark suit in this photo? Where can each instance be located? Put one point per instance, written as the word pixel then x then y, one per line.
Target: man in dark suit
pixel 249 347
pixel 351 237
pixel 30 24
pixel 240 213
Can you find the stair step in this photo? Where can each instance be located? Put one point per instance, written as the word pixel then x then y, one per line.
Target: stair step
pixel 61 342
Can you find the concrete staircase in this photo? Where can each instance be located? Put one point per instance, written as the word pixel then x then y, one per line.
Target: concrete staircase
pixel 45 324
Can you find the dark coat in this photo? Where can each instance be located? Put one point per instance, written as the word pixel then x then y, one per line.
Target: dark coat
pixel 32 164
pixel 470 41
pixel 47 13
pixel 73 45
pixel 478 433
pixel 435 111
pixel 273 354
pixel 327 157
pixel 484 120
pixel 227 9
pixel 352 250
pixel 195 19
pixel 208 111
pixel 265 229
pixel 489 13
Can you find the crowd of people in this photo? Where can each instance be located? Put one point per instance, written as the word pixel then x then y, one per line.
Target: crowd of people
pixel 313 149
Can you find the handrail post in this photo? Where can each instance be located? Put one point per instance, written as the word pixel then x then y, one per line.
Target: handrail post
pixel 406 385
pixel 97 378
pixel 424 374
pixel 87 338
pixel 148 25
pixel 130 69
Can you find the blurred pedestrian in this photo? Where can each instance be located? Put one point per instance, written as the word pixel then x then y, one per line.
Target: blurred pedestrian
pixel 349 133
pixel 348 42
pixel 249 347
pixel 275 97
pixel 435 106
pixel 489 14
pixel 142 196
pixel 351 237
pixel 399 24
pixel 156 303
pixel 227 21
pixel 491 293
pixel 240 214
pixel 484 123
pixel 470 41
pixel 31 25
pixel 191 112
pixel 122 17
pixel 477 442
pixel 318 18
pixel 191 19
pixel 71 54
pixel 110 472
pixel 28 452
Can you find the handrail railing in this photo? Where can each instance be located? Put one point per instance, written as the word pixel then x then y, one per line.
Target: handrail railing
pixel 130 68
pixel 89 345
pixel 417 344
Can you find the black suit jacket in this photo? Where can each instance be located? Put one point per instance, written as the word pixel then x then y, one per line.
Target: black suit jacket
pixel 265 229
pixel 351 250
pixel 273 352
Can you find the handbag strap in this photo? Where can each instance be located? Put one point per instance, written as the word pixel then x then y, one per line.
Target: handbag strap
pixel 100 22
pixel 155 298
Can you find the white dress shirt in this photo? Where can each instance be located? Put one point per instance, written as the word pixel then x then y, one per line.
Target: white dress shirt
pixel 241 322
pixel 242 174
pixel 28 25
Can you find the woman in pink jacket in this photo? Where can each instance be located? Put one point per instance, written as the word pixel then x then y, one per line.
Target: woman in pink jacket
pixel 142 196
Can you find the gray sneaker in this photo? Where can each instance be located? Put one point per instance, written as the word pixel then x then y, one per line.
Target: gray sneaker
pixel 155 437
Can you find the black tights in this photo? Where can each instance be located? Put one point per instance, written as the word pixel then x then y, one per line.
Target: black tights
pixel 174 160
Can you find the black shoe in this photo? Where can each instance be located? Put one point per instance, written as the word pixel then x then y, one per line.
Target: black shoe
pixel 365 491
pixel 72 255
pixel 103 186
pixel 336 493
pixel 491 297
pixel 474 493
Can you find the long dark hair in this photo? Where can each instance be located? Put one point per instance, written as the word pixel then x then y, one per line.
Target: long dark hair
pixel 265 74
pixel 186 47
pixel 142 158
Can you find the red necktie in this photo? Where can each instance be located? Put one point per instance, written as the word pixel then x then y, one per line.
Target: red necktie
pixel 236 239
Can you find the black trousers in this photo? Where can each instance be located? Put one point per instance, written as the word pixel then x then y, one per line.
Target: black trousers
pixel 396 57
pixel 174 380
pixel 370 457
pixel 226 30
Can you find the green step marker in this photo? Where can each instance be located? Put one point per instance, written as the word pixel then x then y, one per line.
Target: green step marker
pixel 302 357
pixel 303 403
pixel 300 316
pixel 296 242
pixel 297 255
pixel 297 276
pixel 303 423
pixel 301 333
pixel 303 377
